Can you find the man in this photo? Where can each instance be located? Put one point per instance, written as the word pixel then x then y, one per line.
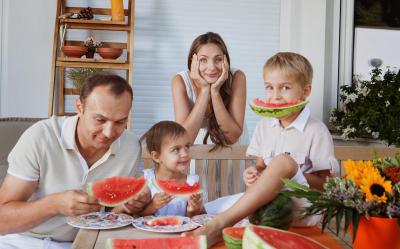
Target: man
pixel 55 158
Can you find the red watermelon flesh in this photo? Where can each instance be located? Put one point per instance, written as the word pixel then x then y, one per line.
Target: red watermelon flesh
pixel 234 232
pixel 281 239
pixel 198 242
pixel 261 103
pixel 165 221
pixel 115 191
pixel 174 188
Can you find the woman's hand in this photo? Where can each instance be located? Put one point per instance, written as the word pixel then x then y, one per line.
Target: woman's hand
pixel 195 73
pixel 224 76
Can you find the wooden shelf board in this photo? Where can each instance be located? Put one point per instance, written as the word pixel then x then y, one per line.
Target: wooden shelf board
pixel 98 26
pixel 93 21
pixel 71 91
pixel 97 60
pixel 71 64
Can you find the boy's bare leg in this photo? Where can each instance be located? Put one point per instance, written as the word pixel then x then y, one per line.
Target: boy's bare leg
pixel 261 192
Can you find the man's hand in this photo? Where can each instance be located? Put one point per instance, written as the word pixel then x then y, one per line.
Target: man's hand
pixel 135 205
pixel 250 175
pixel 75 202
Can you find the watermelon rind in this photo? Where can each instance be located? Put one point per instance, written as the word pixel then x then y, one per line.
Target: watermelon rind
pixel 161 189
pixel 276 112
pixel 201 242
pixel 251 240
pixel 231 242
pixel 89 191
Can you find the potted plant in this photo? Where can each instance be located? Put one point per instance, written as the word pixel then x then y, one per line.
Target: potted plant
pixel 370 108
pixel 91 44
pixel 367 197
pixel 78 76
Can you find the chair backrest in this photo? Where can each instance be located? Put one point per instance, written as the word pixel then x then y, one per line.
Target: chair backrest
pixel 221 171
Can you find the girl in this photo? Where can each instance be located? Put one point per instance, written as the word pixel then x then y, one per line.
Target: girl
pixel 209 99
pixel 168 144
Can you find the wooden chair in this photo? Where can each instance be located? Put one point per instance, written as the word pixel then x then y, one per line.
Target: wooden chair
pixel 220 172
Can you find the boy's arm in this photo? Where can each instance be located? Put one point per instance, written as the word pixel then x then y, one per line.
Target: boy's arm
pixel 317 179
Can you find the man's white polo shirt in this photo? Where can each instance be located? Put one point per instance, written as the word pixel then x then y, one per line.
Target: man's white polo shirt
pixel 47 153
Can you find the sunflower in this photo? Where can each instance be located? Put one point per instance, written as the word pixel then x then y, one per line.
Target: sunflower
pixel 375 187
pixel 358 170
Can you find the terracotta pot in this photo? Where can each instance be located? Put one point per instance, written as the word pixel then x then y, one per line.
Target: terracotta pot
pixel 110 53
pixel 377 232
pixel 117 10
pixel 73 51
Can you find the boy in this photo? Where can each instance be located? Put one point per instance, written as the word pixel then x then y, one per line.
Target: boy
pixel 295 146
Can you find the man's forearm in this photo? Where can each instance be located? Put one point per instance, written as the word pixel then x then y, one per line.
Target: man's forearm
pixel 20 216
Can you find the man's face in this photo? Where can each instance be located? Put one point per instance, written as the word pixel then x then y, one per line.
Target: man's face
pixel 102 117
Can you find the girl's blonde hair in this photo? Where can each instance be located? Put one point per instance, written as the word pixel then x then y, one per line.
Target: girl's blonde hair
pixel 292 65
pixel 158 132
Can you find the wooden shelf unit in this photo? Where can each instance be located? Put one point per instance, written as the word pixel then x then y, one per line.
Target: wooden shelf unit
pixel 60 62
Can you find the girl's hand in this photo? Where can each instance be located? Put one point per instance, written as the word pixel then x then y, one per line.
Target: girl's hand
pixel 195 205
pixel 250 175
pixel 194 73
pixel 160 200
pixel 224 76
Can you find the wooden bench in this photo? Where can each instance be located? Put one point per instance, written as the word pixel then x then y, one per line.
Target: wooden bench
pixel 220 170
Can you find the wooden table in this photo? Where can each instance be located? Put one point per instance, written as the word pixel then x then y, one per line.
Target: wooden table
pixel 95 239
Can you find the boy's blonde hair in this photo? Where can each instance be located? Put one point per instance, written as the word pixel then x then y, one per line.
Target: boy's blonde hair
pixel 292 65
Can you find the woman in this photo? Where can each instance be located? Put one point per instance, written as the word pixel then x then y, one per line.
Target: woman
pixel 210 98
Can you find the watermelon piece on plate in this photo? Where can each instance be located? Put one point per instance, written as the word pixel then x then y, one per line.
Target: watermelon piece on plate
pixel 174 188
pixel 165 221
pixel 197 242
pixel 261 237
pixel 274 110
pixel 233 237
pixel 115 191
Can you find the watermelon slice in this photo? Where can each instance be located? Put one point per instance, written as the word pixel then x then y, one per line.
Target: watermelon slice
pixel 165 221
pixel 261 237
pixel 274 110
pixel 197 242
pixel 115 191
pixel 233 237
pixel 174 188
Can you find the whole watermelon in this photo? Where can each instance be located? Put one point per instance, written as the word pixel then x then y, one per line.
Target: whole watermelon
pixel 278 213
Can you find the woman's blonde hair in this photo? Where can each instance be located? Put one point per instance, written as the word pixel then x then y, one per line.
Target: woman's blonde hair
pixel 292 65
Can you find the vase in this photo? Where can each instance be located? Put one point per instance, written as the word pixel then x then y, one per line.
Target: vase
pixel 377 232
pixel 90 53
pixel 117 11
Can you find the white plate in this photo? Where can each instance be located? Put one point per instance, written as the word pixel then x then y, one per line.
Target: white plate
pixel 100 220
pixel 203 219
pixel 141 223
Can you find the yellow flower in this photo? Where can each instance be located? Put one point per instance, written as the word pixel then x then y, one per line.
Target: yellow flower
pixel 375 187
pixel 356 171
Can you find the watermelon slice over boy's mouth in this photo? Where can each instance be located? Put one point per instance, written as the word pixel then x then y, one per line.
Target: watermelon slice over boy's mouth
pixel 174 188
pixel 273 110
pixel 115 191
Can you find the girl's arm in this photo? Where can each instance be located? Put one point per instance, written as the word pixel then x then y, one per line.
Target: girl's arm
pixel 231 121
pixel 159 200
pixel 190 119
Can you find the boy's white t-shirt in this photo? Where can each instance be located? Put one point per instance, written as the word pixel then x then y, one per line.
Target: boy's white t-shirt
pixel 307 140
pixel 178 205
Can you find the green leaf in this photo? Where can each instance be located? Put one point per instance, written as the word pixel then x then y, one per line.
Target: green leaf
pixel 339 216
pixel 355 221
pixel 295 185
pixel 328 217
pixel 347 218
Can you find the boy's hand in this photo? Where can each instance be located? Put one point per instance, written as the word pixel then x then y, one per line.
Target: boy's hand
pixel 250 175
pixel 195 204
pixel 195 74
pixel 160 200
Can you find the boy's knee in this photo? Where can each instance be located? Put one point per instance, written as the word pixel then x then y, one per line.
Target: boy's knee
pixel 285 164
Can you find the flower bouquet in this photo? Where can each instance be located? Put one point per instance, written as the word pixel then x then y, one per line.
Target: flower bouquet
pixel 91 44
pixel 368 189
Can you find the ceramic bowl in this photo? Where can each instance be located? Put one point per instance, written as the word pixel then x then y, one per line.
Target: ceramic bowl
pixel 73 51
pixel 110 53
